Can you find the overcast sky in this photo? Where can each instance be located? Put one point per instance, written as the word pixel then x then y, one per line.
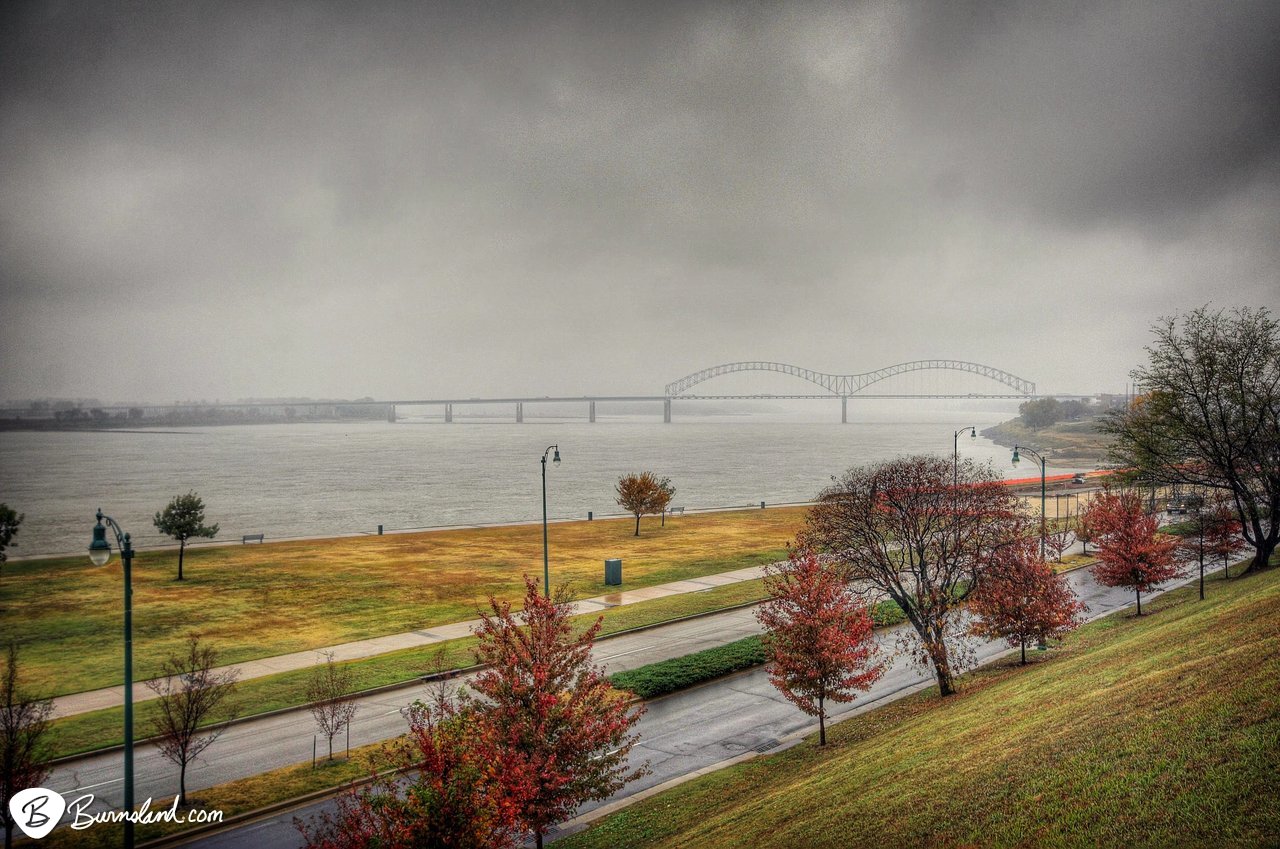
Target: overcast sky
pixel 400 200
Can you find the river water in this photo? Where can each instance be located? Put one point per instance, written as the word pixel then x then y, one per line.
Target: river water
pixel 290 480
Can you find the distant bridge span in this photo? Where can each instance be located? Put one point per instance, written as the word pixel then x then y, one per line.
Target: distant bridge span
pixel 844 385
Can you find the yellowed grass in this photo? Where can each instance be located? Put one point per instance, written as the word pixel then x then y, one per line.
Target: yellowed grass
pixel 262 600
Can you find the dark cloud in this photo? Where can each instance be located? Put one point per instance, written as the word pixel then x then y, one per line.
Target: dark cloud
pixel 470 198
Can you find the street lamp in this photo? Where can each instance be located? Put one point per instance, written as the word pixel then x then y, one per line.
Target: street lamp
pixel 546 568
pixel 955 453
pixel 99 554
pixel 1043 519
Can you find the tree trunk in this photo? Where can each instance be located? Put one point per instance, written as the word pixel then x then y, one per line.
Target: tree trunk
pixel 1262 557
pixel 945 685
pixel 1024 652
pixel 182 547
pixel 537 838
pixel 637 524
pixel 331 747
pixel 8 832
pixel 822 722
pixel 182 785
pixel 1138 594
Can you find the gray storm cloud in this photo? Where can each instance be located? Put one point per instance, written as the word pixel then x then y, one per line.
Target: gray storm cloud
pixel 213 200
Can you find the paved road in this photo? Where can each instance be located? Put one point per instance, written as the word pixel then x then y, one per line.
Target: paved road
pixel 679 734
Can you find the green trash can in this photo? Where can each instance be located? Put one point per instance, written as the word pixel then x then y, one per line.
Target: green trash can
pixel 613 573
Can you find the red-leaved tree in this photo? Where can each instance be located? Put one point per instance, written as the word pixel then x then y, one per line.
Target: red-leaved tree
pixel 818 644
pixel 552 709
pixel 1131 553
pixel 457 789
pixel 1022 600
pixel 1222 531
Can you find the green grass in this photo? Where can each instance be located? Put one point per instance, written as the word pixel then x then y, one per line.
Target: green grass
pixel 254 601
pixel 1158 731
pixel 97 729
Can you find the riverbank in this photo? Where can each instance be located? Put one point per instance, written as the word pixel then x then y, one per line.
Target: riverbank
pixel 1065 444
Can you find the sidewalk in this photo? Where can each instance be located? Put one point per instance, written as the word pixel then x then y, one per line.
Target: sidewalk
pixel 109 697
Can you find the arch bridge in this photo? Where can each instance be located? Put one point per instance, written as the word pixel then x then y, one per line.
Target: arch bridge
pixel 844 385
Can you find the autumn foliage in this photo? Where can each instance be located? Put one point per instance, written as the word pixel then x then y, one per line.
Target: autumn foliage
pixel 460 789
pixel 903 529
pixel 552 710
pixel 1022 600
pixel 1131 553
pixel 544 734
pixel 644 494
pixel 819 645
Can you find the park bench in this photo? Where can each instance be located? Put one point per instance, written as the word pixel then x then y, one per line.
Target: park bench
pixel 676 511
pixel 247 538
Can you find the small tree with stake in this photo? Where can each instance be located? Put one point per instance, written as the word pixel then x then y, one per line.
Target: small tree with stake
pixel 189 694
pixel 1022 600
pixel 183 519
pixel 1130 551
pixel 330 699
pixel 644 494
pixel 1221 532
pixel 818 641
pixel 24 721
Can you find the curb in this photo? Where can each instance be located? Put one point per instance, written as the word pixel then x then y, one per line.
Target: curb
pixel 387 688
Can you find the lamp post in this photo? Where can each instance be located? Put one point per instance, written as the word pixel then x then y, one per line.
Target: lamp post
pixel 546 566
pixel 1043 518
pixel 955 453
pixel 99 554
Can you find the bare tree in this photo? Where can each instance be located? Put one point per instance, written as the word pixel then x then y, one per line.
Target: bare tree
pixel 189 694
pixel 903 529
pixel 23 723
pixel 1210 415
pixel 330 698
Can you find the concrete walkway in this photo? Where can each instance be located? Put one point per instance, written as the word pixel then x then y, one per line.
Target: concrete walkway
pixel 108 697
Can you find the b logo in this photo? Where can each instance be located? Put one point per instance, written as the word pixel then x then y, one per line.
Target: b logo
pixel 37 811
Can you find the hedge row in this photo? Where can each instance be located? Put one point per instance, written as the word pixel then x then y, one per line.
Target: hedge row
pixel 678 673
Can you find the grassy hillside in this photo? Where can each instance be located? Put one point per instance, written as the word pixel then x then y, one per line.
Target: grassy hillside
pixel 262 600
pixel 1159 731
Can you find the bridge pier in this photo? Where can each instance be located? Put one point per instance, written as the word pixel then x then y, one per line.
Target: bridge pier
pixel 448 413
pixel 666 411
pixel 591 412
pixel 844 409
pixel 519 412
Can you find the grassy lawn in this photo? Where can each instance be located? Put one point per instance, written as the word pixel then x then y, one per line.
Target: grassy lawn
pixel 260 600
pixel 1159 731
pixel 88 731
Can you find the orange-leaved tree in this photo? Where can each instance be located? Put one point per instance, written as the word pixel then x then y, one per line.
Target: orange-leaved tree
pixel 818 636
pixel 1021 599
pixel 1131 551
pixel 644 494
pixel 552 709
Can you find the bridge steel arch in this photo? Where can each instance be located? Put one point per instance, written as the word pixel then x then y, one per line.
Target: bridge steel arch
pixel 850 384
